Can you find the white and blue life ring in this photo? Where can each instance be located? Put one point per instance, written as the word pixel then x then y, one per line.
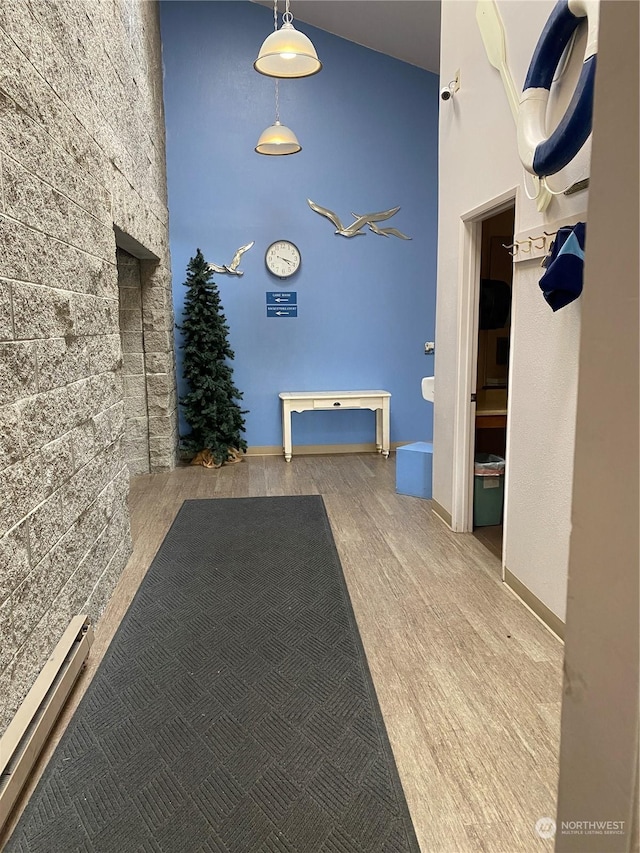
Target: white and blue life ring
pixel 542 155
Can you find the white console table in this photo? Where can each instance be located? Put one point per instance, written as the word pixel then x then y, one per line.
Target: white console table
pixel 307 401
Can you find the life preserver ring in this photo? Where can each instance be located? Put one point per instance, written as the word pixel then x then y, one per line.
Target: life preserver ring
pixel 541 155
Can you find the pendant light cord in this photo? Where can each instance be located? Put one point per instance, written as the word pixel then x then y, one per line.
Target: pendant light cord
pixel 275 27
pixel 287 18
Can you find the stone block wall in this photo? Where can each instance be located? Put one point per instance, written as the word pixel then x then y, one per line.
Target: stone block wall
pixel 81 150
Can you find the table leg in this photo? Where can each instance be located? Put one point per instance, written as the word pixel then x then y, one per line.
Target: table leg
pixel 379 430
pixel 385 427
pixel 286 430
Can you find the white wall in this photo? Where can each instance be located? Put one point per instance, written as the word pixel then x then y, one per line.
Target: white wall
pixel 599 742
pixel 478 162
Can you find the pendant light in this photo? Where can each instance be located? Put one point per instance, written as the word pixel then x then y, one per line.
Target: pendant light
pixel 287 53
pixel 278 139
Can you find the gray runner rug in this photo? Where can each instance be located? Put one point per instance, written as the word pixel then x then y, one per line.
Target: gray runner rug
pixel 234 711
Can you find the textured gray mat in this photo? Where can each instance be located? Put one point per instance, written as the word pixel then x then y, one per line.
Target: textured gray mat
pixel 234 711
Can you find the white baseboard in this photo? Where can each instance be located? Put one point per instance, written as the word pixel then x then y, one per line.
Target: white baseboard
pixel 533 603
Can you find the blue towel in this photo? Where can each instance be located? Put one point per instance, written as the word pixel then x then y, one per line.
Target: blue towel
pixel 562 281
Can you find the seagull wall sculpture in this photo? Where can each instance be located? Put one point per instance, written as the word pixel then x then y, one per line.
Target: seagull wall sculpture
pixel 232 268
pixel 354 229
pixel 387 232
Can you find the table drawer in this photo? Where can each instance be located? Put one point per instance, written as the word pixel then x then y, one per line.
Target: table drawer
pixel 336 403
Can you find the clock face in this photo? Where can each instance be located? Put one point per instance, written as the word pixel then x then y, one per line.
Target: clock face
pixel 282 258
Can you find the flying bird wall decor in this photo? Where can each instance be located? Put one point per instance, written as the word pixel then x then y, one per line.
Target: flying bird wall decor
pixel 354 229
pixel 232 268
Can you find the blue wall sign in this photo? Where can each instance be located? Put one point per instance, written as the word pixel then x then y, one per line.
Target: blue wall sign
pixel 282 310
pixel 282 304
pixel 285 298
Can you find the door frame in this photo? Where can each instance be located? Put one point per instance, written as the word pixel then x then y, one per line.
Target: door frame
pixel 470 242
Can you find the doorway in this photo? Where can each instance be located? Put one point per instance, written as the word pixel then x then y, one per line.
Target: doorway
pixel 148 363
pixel 134 374
pixel 489 429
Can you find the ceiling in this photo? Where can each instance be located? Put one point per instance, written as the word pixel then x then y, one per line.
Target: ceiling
pixel 405 29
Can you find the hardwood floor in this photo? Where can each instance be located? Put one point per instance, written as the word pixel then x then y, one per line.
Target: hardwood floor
pixel 491 538
pixel 469 681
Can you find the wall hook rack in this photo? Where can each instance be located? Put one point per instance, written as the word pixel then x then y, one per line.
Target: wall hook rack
pixel 535 244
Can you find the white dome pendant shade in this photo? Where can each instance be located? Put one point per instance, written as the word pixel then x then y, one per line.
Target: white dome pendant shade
pixel 278 139
pixel 287 53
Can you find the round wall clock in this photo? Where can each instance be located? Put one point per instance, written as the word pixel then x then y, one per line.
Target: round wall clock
pixel 282 258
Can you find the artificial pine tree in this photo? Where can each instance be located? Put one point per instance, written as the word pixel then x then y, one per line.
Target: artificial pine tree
pixel 210 408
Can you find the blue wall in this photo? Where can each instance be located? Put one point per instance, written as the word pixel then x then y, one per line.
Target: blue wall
pixel 368 129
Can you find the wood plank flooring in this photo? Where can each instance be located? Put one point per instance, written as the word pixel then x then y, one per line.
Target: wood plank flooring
pixel 491 538
pixel 469 681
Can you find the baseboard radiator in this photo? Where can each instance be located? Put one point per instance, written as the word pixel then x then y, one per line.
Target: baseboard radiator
pixel 27 733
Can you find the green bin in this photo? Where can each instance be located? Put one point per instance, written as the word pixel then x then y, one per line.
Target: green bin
pixel 488 490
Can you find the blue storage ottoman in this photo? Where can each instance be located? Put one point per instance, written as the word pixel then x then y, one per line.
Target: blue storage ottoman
pixel 414 464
